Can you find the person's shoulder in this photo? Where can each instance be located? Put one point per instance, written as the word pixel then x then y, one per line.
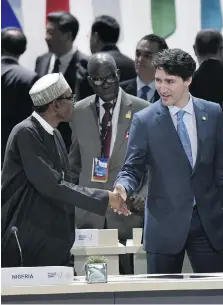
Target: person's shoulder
pixel 206 105
pixel 138 102
pixel 126 83
pixel 148 112
pixel 81 57
pixel 42 56
pixel 26 74
pixel 21 75
pixel 84 103
pixel 23 128
pixel 126 58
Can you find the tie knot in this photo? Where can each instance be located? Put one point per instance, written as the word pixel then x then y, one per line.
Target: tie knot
pixel 180 114
pixel 145 89
pixel 107 106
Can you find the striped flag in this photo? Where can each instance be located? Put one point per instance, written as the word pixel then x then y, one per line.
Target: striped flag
pixel 11 14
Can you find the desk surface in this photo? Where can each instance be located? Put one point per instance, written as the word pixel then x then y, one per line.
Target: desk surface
pixel 125 283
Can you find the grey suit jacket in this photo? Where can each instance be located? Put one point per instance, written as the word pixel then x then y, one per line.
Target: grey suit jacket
pixel 86 145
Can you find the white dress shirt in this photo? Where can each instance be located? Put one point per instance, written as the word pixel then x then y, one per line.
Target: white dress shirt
pixel 43 123
pixel 190 123
pixel 115 117
pixel 150 93
pixel 64 61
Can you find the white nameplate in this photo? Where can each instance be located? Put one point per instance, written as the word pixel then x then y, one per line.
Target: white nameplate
pixel 35 276
pixel 86 237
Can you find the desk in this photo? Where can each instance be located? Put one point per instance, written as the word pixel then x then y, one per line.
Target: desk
pixel 208 288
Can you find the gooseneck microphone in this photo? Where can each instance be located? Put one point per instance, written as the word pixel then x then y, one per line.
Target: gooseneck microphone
pixel 14 231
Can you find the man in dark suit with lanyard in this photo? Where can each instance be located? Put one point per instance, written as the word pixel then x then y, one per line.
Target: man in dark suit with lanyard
pixel 143 85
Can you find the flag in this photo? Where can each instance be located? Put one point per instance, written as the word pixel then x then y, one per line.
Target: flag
pixel 57 5
pixel 163 15
pixel 11 13
pixel 211 14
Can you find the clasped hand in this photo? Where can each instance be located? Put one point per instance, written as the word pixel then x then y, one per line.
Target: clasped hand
pixel 118 204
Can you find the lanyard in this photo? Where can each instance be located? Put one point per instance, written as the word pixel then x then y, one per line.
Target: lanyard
pixel 103 133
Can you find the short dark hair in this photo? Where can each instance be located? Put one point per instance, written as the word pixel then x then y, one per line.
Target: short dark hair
pixel 41 109
pixel 208 42
pixel 175 62
pixel 11 43
pixel 66 22
pixel 158 39
pixel 107 28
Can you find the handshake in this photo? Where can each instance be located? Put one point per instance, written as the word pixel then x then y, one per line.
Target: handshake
pixel 122 205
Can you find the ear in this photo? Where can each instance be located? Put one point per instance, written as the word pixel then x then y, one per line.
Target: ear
pixel 195 51
pixel 118 73
pixel 96 36
pixel 55 105
pixel 188 81
pixel 90 81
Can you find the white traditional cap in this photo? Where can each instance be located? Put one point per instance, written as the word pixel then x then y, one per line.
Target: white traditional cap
pixel 48 88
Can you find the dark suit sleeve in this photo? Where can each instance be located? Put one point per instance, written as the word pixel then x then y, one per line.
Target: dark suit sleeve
pixel 136 157
pixel 219 155
pixel 47 181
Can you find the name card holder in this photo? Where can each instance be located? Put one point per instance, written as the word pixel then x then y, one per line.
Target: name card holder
pixel 35 276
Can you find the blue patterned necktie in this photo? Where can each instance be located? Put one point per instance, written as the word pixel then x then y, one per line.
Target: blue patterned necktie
pixel 145 90
pixel 184 136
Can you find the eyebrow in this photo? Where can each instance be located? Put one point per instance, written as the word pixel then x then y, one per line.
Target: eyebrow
pixel 144 51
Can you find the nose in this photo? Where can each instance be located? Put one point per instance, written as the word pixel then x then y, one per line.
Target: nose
pixel 139 59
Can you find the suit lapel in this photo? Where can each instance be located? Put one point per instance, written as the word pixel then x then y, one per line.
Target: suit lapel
pixel 171 138
pixel 70 73
pixel 45 64
pixel 201 117
pixel 93 123
pixel 124 122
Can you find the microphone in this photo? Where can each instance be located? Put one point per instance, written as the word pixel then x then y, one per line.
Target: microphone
pixel 14 231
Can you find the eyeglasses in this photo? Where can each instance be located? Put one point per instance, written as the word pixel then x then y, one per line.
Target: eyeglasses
pixel 109 79
pixel 72 98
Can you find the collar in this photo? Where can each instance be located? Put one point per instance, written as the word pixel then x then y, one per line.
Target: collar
pixel 101 102
pixel 209 58
pixel 109 47
pixel 141 84
pixel 67 56
pixel 43 123
pixel 189 108
pixel 10 57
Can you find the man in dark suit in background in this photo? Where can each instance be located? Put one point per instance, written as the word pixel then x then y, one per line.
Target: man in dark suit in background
pixel 207 81
pixel 16 83
pixel 181 143
pixel 61 31
pixel 143 85
pixel 105 32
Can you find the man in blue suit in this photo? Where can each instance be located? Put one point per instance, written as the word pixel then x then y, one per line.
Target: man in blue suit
pixel 180 140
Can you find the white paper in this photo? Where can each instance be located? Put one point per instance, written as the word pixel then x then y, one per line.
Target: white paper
pixel 86 237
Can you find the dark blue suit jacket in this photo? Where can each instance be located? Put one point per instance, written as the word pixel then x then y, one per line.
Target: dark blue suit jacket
pixel 173 184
